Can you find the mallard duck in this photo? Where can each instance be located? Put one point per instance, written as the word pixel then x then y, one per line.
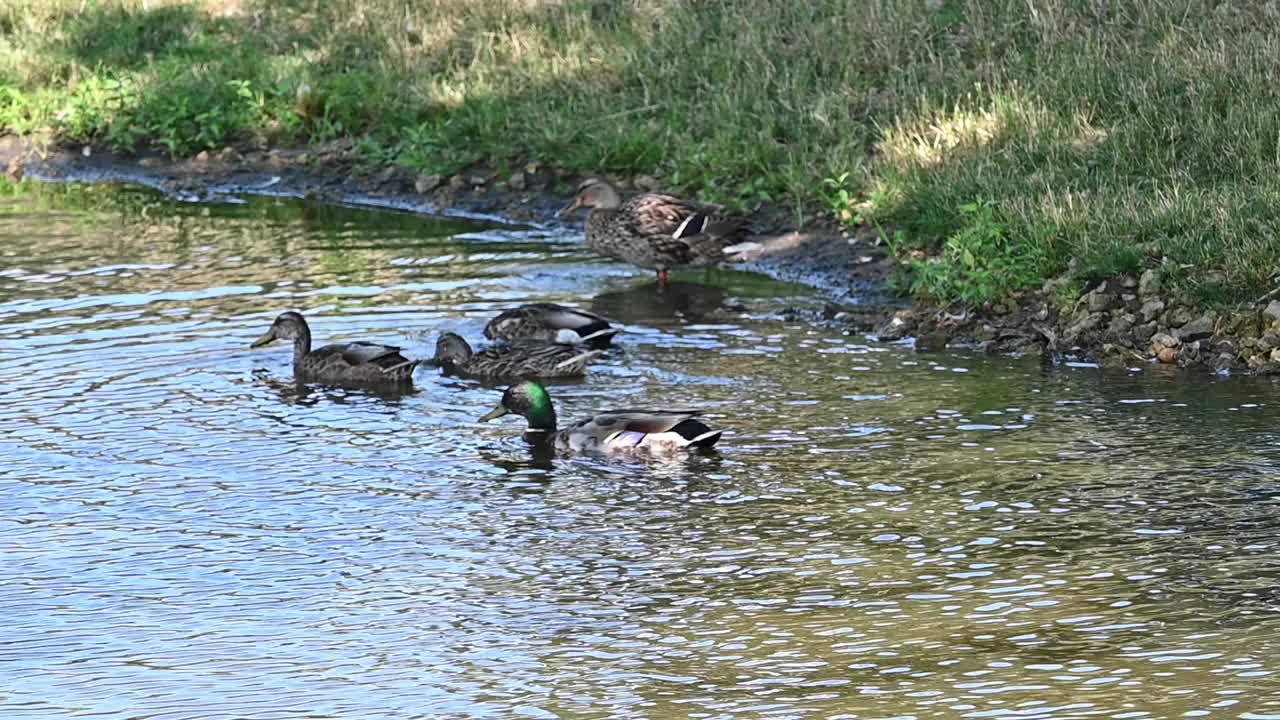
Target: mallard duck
pixel 614 431
pixel 552 323
pixel 511 361
pixel 655 230
pixel 355 363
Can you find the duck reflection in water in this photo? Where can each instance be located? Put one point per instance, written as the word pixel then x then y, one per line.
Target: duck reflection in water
pixel 294 392
pixel 647 304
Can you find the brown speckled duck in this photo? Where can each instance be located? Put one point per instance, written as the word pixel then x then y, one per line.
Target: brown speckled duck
pixel 354 363
pixel 511 361
pixel 551 323
pixel 654 230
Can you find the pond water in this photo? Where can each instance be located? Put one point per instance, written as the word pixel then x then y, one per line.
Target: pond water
pixel 883 534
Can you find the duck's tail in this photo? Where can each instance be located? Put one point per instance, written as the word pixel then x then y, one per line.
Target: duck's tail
pixel 738 251
pixel 706 439
pixel 601 336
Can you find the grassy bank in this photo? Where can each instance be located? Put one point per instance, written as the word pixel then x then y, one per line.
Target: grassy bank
pixel 1011 136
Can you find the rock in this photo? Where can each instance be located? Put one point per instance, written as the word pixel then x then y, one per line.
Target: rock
pixel 458 182
pixel 532 168
pixel 303 159
pixel 1128 282
pixel 1100 299
pixel 1268 342
pixel 228 154
pixel 986 332
pixel 1128 297
pixel 1189 354
pixel 477 180
pixel 518 181
pixel 202 157
pixel 86 151
pixel 386 176
pixel 1165 340
pixel 647 183
pixel 1272 312
pixel 150 162
pixel 16 169
pixel 1120 324
pixel 1149 283
pixel 1167 355
pixel 424 184
pixel 1275 355
pixel 1071 336
pixel 1151 309
pixel 1080 315
pixel 1224 362
pixel 1178 316
pixel 1142 333
pixel 1198 329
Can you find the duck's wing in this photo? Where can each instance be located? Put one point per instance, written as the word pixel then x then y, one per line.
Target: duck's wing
pixel 622 429
pixel 548 320
pixel 361 353
pixel 656 213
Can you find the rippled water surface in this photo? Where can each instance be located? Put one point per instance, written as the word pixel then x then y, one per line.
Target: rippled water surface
pixel 883 534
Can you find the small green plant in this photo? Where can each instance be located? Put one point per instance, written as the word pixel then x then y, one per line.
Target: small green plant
pixel 839 198
pixel 978 263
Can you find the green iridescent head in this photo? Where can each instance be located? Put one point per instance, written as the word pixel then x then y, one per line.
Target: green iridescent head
pixel 529 400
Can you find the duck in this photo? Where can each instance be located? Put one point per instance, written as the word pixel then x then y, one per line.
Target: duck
pixel 551 323
pixel 657 432
pixel 655 230
pixel 354 363
pixel 511 361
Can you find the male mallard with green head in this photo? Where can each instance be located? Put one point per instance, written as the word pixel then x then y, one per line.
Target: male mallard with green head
pixel 655 230
pixel 354 363
pixel 511 361
pixel 656 432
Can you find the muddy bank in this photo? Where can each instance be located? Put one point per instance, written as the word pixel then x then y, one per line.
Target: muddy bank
pixel 1123 321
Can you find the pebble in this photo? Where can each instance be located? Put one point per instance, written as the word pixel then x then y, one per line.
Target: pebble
pixel 424 184
pixel 1272 311
pixel 1198 329
pixel 1151 309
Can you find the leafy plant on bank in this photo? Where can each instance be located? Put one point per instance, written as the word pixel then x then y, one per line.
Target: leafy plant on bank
pixel 978 263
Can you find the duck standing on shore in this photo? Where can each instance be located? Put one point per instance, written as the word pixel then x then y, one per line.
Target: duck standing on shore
pixel 656 230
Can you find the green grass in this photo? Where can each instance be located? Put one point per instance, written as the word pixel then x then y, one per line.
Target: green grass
pixel 1115 133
